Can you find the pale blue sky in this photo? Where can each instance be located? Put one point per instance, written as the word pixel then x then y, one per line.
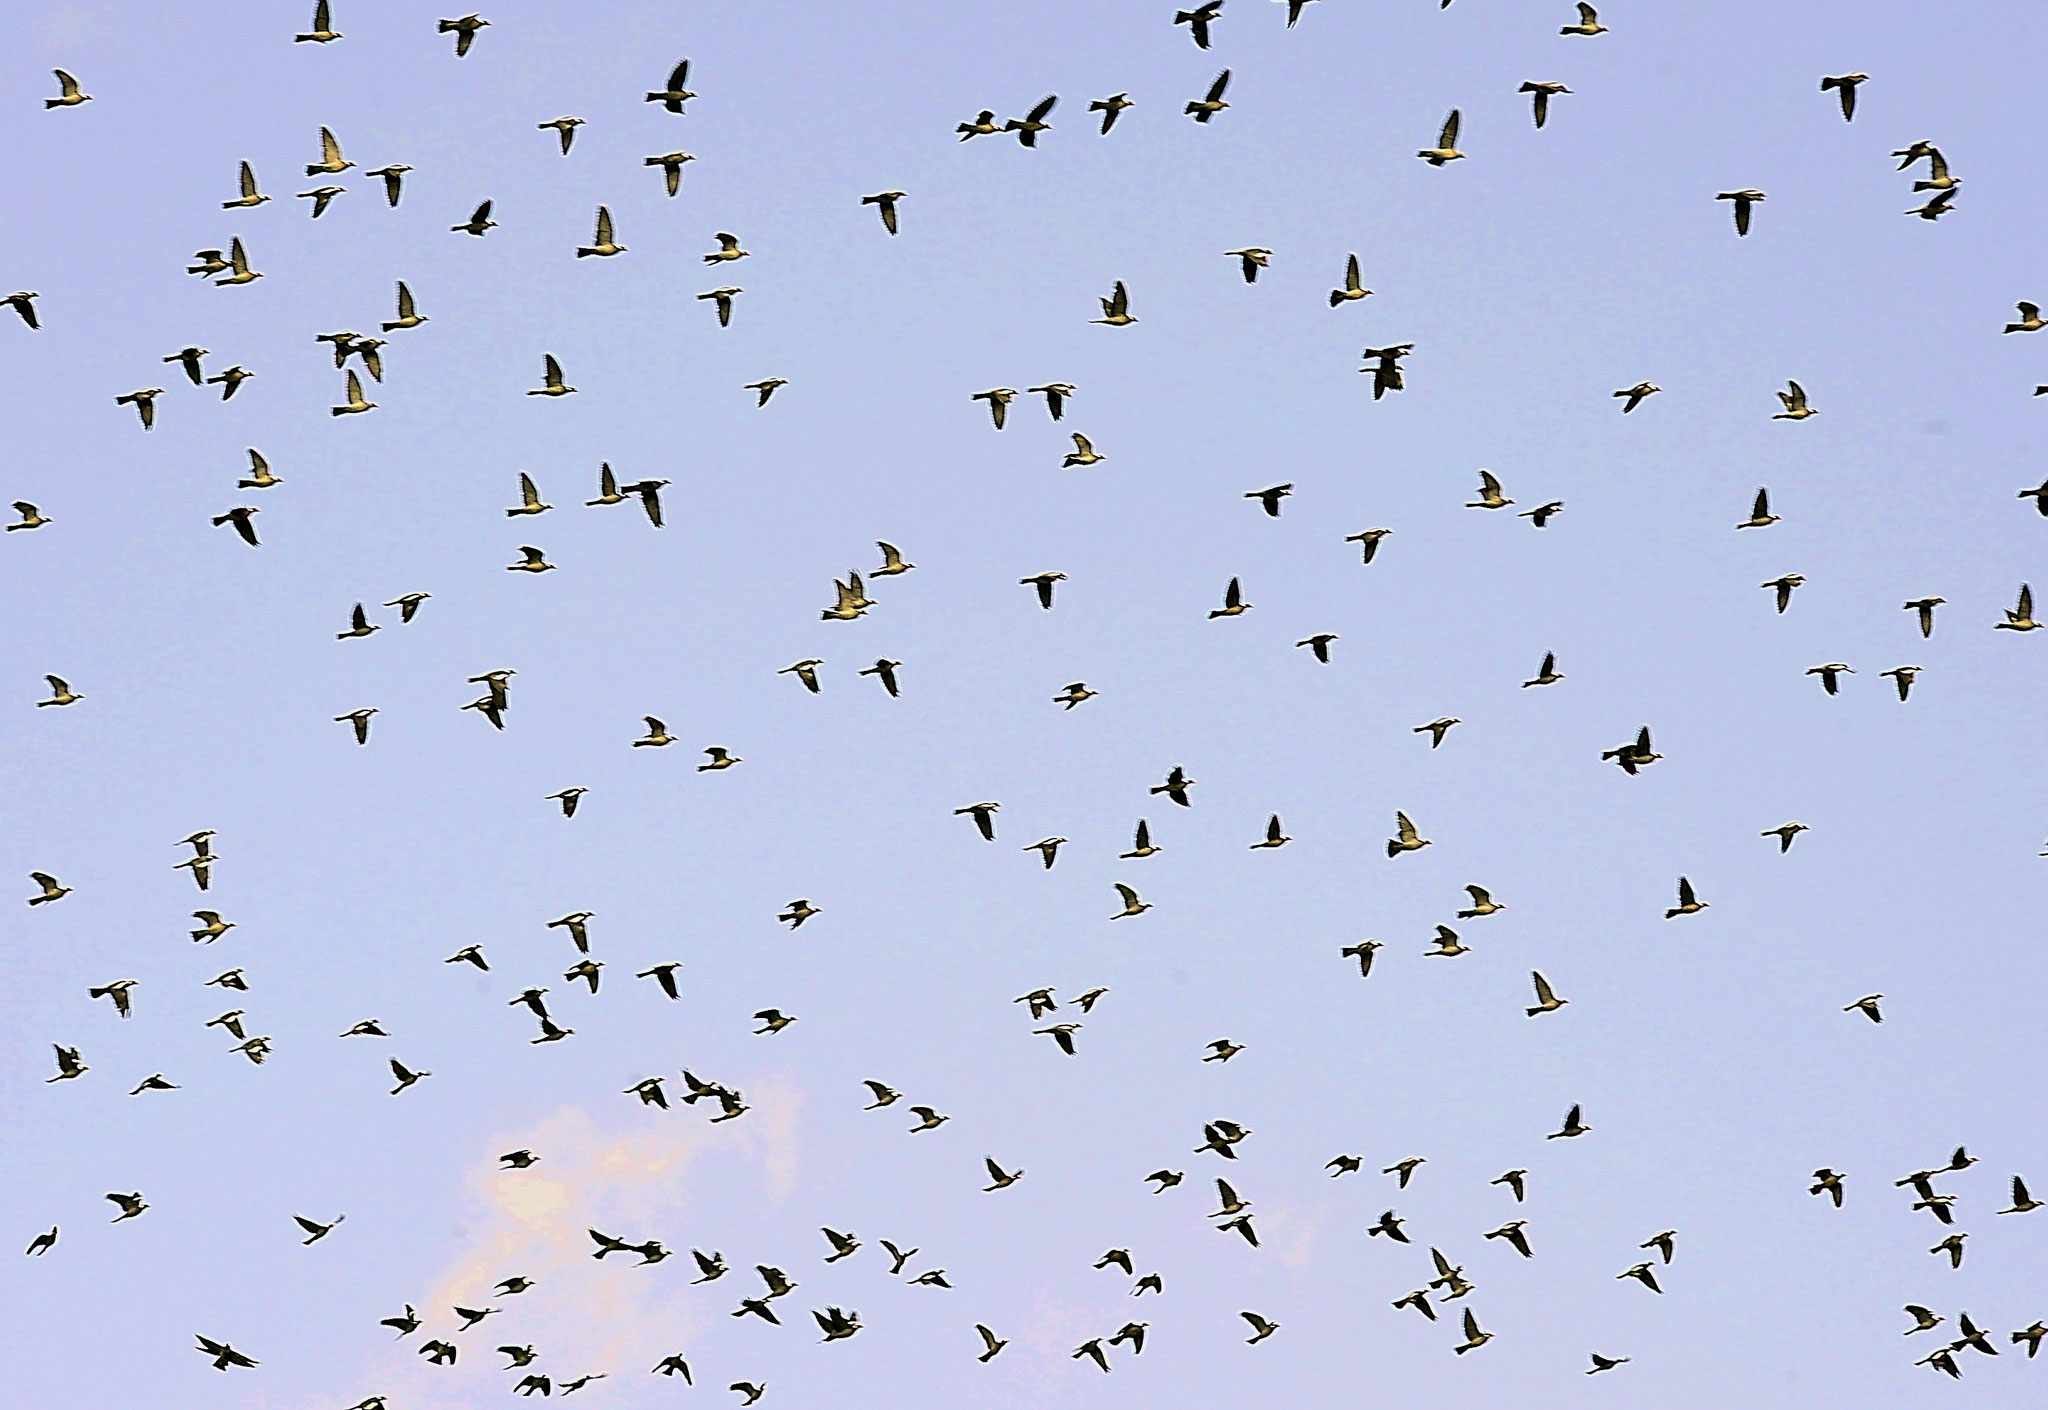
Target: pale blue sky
pixel 1549 268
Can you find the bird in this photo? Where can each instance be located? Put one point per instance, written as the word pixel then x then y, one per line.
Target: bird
pixel 188 358
pixel 723 298
pixel 1744 201
pixel 60 693
pixel 751 1390
pixel 552 383
pixel 1489 493
pixel 1785 832
pixel 1572 1126
pixel 797 912
pixel 1251 260
pixel 1351 291
pixel 1474 1337
pixel 577 924
pixel 2031 1336
pixel 69 95
pixel 1513 1179
pixel 568 798
pixel 1116 309
pixel 675 94
pixel 1830 675
pixel 884 203
pixel 1002 1179
pixel 368 1028
pixel 1953 1247
pixel 223 1354
pixel 23 303
pixel 1446 148
pixel 464 30
pixel 1141 845
pixel 1132 905
pixel 984 125
pixel 479 221
pixel 1937 207
pixel 356 404
pixel 406 1076
pixel 130 1205
pixel 1642 1274
pixel 673 1365
pixel 1082 454
pixel 1483 904
pixel 2030 320
pixel 1589 22
pixel 359 625
pixel 1270 497
pixel 1048 849
pixel 52 888
pixel 1604 1363
pixel 68 1065
pixel 214 928
pixel 230 380
pixel 321 197
pixel 31 517
pixel 1319 644
pixel 650 498
pixel 1199 19
pixel 1419 1300
pixel 1111 108
pixel 932 1278
pixel 1074 694
pixel 1032 123
pixel 1134 1334
pixel 393 174
pixel 984 818
pixel 1176 786
pixel 360 719
pixel 210 264
pixel 773 1021
pixel 806 671
pixel 1546 998
pixel 1043 582
pixel 1784 586
pixel 1166 1179
pixel 408 314
pixel 42 1243
pixel 1448 946
pixel 928 1119
pixel 728 249
pixel 604 245
pixel 1796 408
pixel 238 261
pixel 1274 836
pixel 1636 394
pixel 1543 93
pixel 1406 838
pixel 1760 516
pixel 885 670
pixel 1512 1233
pixel 1688 903
pixel 2020 617
pixel 998 399
pixel 1436 729
pixel 565 127
pixel 1845 87
pixel 1924 606
pixel 144 402
pixel 1543 513
pixel 1091 1348
pixel 316 1231
pixel 765 388
pixel 586 970
pixel 1362 952
pixel 1829 1182
pixel 1261 1328
pixel 531 560
pixel 1223 1050
pixel 1234 604
pixel 1390 1225
pixel 2022 1203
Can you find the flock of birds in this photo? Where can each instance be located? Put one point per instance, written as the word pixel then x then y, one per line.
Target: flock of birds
pixel 1444 1281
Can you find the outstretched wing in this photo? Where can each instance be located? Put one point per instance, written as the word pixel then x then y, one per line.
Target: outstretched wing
pixel 1447 139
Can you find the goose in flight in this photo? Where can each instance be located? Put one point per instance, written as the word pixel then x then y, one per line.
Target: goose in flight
pixel 1436 729
pixel 361 720
pixel 728 249
pixel 60 693
pixel 553 385
pixel 251 195
pixel 1688 902
pixel 1141 846
pixel 1474 1337
pixel 1274 838
pixel 31 517
pixel 331 162
pixel 2022 1202
pixel 984 818
pixel 223 1355
pixel 1233 602
pixel 1546 998
pixel 1604 1363
pixel 1111 108
pixel 675 94
pixel 2020 617
pixel 723 298
pixel 1406 838
pixel 1261 1328
pixel 1176 786
pixel 1132 905
pixel 1760 516
pixel 604 244
pixel 1902 677
pixel 1369 541
pixel 1845 86
pixel 1784 587
pixel 1032 123
pixel 671 164
pixel 393 174
pixel 1831 675
pixel 356 403
pixel 1796 408
pixel 1448 946
pixel 1002 1179
pixel 566 127
pixel 998 399
pixel 1511 1233
pixel 1589 22
pixel 1446 148
pixel 240 516
pixel 1547 674
pixel 1082 454
pixel 321 197
pixel 984 125
pixel 1744 201
pixel 144 402
pixel 1043 582
pixel 1270 497
pixel 1319 644
pixel 1489 493
pixel 1362 952
pixel 316 1231
pixel 408 315
pixel 1571 1127
pixel 884 203
pixel 1199 19
pixel 1636 394
pixel 1251 260
pixel 1867 1006
pixel 464 30
pixel 1353 289
pixel 1116 309
pixel 479 221
pixel 2030 319
pixel 69 93
pixel 1543 93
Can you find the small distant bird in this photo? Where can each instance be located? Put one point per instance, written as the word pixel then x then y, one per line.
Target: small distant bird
pixel 465 31
pixel 1446 148
pixel 1513 1179
pixel 1116 309
pixel 230 380
pixel 984 818
pixel 2031 1336
pixel 1642 1274
pixel 984 125
pixel 394 187
pixel 1572 1126
pixel 406 1076
pixel 1166 1179
pixel 1925 607
pixel 1406 838
pixel 927 1119
pixel 1074 694
pixel 1448 945
pixel 1199 19
pixel 1111 108
pixel 1233 602
pixel 1223 1050
pixel 316 1231
pixel 1176 786
pixel 1546 998
pixel 1542 514
pixel 23 303
pixel 31 517
pixel 2022 1203
pixel 797 912
pixel 1319 644
pixel 765 388
pixel 356 403
pixel 1083 453
pixel 1604 1363
pixel 1352 290
pixel 998 399
pixel 1261 1328
pixel 1055 394
pixel 1436 729
pixel 1270 497
pixel 1936 208
pixel 1688 903
pixel 188 358
pixel 238 261
pixel 1830 675
pixel 1589 22
pixel 130 1205
pixel 1829 1182
pixel 479 221
pixel 1796 408
pixel 772 1021
pixel 361 720
pixel 884 203
pixel 68 1065
pixel 223 1355
pixel 884 670
pixel 2020 617
pixel 934 1278
pixel 42 1243
pixel 1512 1233
pixel 604 245
pixel 531 560
pixel 1745 201
pixel 1043 582
pixel 1868 1006
pixel 750 1390
pixel 1002 1179
pixel 1474 1337
pixel 1390 1225
pixel 321 197
pixel 723 298
pixel 144 402
pixel 1489 493
pixel 60 693
pixel 1132 905
pixel 240 516
pixel 1032 123
pixel 675 94
pixel 1251 260
pixel 69 94
pixel 1760 515
pixel 1274 836
pixel 2030 320
pixel 1543 93
pixel 1636 394
pixel 565 127
pixel 1784 587
pixel 1362 952
pixel 1845 87
pixel 1785 832
pixel 1953 1247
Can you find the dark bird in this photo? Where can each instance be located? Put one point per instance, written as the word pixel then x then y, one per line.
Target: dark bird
pixel 1111 108
pixel 223 1355
pixel 1845 86
pixel 1744 201
pixel 464 30
pixel 1032 123
pixel 884 203
pixel 1543 93
pixel 1571 1126
pixel 1199 19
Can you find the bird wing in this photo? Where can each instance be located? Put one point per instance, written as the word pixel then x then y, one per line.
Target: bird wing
pixel 604 226
pixel 654 726
pixel 1472 1322
pixel 527 493
pixel 1488 485
pixel 678 76
pixel 330 150
pixel 1685 896
pixel 1216 89
pixel 1351 275
pixel 2026 603
pixel 1587 14
pixel 358 618
pixel 1119 300
pixel 1544 995
pixel 355 387
pixel 1082 445
pixel 248 180
pixel 1144 838
pixel 553 369
pixel 1232 597
pixel 1405 827
pixel 1798 397
pixel 1130 896
pixel 236 257
pixel 1273 833
pixel 1045 105
pixel 481 214
pixel 2019 1191
pixel 405 308
pixel 1447 139
pixel 66 82
pixel 1762 507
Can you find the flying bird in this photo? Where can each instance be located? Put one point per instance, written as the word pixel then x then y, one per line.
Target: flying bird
pixel 1845 86
pixel 1745 201
pixel 1446 148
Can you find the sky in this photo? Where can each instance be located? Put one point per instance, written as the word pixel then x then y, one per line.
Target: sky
pixel 1711 1054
